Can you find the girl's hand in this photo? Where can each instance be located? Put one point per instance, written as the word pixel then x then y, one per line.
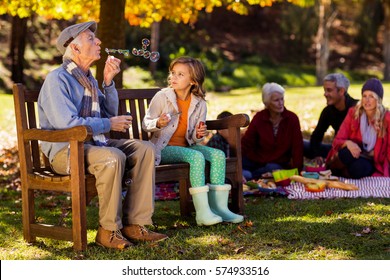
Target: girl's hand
pixel 163 120
pixel 201 130
pixel 121 123
pixel 353 148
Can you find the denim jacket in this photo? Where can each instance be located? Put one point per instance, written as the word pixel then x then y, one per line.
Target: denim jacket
pixel 165 102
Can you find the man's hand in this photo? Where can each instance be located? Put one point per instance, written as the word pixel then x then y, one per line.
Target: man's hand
pixel 121 123
pixel 111 68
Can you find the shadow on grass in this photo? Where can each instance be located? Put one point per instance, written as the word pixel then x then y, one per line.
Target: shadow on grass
pixel 274 229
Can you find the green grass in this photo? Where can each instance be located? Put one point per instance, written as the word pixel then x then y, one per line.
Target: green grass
pixel 275 229
pixel 7 112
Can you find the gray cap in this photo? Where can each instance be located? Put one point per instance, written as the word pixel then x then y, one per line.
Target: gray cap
pixel 68 34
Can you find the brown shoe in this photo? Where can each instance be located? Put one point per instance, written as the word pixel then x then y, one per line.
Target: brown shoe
pixel 111 239
pixel 139 233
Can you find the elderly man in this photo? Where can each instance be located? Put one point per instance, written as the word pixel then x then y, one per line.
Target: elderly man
pixel 69 97
pixel 338 102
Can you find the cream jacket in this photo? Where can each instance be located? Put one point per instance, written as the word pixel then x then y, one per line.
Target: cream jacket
pixel 165 102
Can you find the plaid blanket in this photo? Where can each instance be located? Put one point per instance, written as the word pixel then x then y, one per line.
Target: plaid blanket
pixel 368 187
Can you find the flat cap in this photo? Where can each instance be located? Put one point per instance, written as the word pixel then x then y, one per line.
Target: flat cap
pixel 68 34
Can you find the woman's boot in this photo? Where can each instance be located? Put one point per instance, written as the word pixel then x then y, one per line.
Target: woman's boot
pixel 204 216
pixel 218 200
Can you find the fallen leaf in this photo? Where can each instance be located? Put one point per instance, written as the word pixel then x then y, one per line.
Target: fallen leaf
pixel 179 225
pixel 79 257
pixel 239 250
pixel 249 223
pixel 329 212
pixel 153 244
pixel 240 229
pixel 366 230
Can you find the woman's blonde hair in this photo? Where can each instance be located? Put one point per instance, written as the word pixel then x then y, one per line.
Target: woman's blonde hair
pixel 379 115
pixel 197 74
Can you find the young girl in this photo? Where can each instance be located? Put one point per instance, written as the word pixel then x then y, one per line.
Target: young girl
pixel 176 117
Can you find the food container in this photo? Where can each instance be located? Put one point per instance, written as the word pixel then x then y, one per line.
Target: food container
pixel 314 187
pixel 283 183
pixel 314 168
pixel 313 175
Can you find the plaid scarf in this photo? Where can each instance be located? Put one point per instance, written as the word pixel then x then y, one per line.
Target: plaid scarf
pixel 90 101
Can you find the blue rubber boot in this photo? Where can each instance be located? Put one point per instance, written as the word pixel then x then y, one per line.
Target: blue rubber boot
pixel 218 200
pixel 204 215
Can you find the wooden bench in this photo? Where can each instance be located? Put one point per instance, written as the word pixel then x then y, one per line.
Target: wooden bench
pixel 36 173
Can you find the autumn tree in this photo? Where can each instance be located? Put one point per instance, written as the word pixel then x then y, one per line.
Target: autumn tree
pixel 326 15
pixel 22 11
pixel 111 29
pixel 386 40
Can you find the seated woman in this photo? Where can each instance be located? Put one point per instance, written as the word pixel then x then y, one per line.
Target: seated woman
pixel 273 139
pixel 362 143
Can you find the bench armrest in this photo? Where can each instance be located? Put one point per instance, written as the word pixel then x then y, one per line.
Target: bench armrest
pixel 237 120
pixel 233 124
pixel 78 133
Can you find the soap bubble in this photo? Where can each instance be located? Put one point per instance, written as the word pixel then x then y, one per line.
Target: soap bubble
pixel 143 52
pixel 154 56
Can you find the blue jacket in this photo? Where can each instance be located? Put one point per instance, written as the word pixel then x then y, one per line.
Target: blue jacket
pixel 60 102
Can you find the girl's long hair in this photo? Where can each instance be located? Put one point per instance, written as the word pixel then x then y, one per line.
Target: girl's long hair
pixel 197 74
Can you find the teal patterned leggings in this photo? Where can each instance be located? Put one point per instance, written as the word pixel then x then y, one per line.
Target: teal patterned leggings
pixel 196 156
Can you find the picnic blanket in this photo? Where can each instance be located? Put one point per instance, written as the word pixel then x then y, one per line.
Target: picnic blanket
pixel 368 187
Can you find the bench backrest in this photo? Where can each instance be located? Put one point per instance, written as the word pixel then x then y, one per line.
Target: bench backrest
pixel 26 118
pixel 135 101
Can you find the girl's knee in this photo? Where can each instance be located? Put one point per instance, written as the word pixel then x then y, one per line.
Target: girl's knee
pixel 219 154
pixel 198 156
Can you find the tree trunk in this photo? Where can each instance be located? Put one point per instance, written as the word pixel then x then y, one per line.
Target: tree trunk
pixel 154 40
pixel 17 48
pixel 321 66
pixel 111 31
pixel 322 40
pixel 386 41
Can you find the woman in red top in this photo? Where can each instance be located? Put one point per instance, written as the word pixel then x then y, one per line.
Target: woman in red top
pixel 362 143
pixel 273 139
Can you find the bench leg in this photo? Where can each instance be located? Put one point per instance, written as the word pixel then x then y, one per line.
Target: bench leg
pixel 186 206
pixel 237 205
pixel 28 214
